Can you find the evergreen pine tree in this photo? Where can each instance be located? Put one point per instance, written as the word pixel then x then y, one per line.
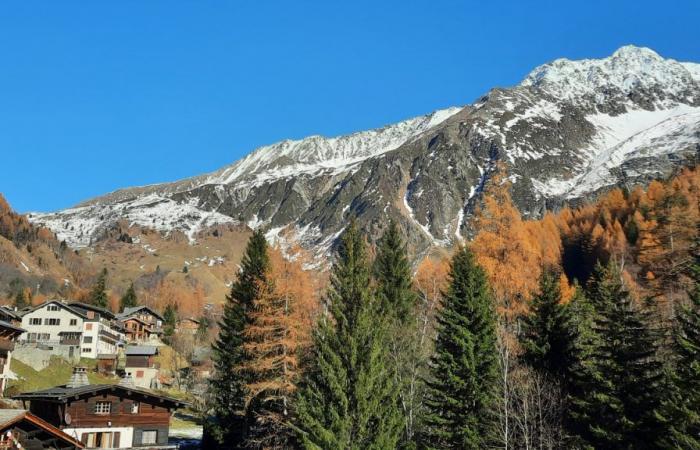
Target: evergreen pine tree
pixel 129 299
pixel 546 330
pixel 348 398
pixel 682 410
pixel 21 299
pixel 397 301
pixel 98 295
pixel 169 320
pixel 580 372
pixel 464 367
pixel 621 391
pixel 392 270
pixel 228 428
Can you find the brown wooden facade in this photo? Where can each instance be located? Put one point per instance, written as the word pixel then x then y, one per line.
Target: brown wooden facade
pixel 103 406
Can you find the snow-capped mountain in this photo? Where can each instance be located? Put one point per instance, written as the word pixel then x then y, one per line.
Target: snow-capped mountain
pixel 567 131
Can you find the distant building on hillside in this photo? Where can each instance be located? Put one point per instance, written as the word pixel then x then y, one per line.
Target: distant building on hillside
pixel 188 325
pixel 8 336
pixel 20 429
pixel 79 330
pixel 141 365
pixel 103 415
pixel 141 324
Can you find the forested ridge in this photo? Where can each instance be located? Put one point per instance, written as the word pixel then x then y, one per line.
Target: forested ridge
pixel 578 330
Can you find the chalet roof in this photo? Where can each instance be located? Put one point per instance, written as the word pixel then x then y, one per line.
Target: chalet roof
pixel 84 306
pixel 188 319
pixel 9 417
pixel 131 311
pixel 141 350
pixel 107 356
pixel 59 303
pixel 62 394
pixel 10 313
pixel 9 326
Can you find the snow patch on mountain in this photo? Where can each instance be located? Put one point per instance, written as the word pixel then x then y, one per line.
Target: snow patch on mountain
pixel 78 226
pixel 317 155
pixel 637 133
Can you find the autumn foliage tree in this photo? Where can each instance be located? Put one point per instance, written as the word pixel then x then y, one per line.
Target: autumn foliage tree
pixel 504 242
pixel 275 339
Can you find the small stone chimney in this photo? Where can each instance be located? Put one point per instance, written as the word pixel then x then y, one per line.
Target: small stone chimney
pixel 79 377
pixel 127 381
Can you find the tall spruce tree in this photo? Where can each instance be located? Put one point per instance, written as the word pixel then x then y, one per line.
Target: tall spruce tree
pixel 397 302
pixel 616 408
pixel 547 336
pixel 348 398
pixel 581 371
pixel 129 299
pixel 392 270
pixel 229 426
pixel 464 367
pixel 682 409
pixel 98 294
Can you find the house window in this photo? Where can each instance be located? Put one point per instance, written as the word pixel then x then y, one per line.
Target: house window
pixel 103 407
pixel 52 308
pixel 135 408
pixel 35 321
pixel 88 326
pixel 52 321
pixel 43 336
pixel 86 350
pixel 87 339
pixel 149 437
pixel 101 440
pixel 139 374
pixel 73 322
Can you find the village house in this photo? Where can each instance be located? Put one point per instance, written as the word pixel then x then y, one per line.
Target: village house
pixel 101 333
pixel 20 429
pixel 8 336
pixel 142 366
pixel 105 416
pixel 141 324
pixel 188 325
pixel 72 330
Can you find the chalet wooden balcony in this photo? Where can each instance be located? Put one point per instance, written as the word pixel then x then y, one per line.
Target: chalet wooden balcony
pixel 109 336
pixel 6 345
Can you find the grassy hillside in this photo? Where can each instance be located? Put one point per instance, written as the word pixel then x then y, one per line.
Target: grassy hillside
pixel 57 373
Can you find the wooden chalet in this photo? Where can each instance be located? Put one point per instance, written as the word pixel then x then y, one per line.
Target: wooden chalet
pixel 8 336
pixel 141 323
pixel 20 429
pixel 105 416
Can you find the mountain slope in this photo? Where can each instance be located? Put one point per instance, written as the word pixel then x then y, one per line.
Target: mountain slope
pixel 568 131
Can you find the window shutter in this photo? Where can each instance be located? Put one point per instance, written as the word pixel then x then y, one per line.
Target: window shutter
pixel 115 441
pixel 84 438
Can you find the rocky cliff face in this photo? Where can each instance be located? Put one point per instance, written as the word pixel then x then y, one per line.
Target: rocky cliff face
pixel 569 130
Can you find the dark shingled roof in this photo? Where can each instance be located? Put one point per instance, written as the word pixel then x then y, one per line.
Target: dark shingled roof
pixel 84 306
pixel 131 311
pixel 4 324
pixel 61 394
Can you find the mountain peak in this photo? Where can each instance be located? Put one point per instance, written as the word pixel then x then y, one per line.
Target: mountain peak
pixel 632 52
pixel 628 68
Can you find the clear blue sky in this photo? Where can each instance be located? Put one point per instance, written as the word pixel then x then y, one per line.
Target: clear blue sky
pixel 102 95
